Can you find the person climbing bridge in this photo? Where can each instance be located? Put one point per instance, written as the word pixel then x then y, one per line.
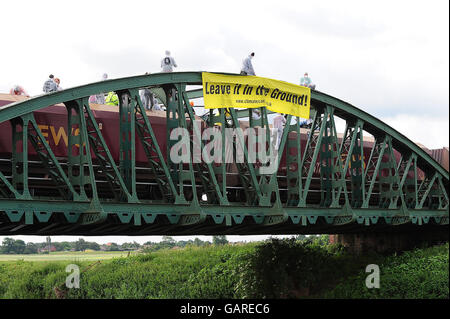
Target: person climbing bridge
pixel 18 90
pixel 168 62
pixel 50 85
pixel 247 67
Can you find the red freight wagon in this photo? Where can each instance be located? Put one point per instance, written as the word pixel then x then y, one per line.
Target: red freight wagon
pixel 53 123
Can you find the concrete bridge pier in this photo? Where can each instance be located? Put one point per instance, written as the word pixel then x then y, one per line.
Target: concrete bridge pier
pixel 391 242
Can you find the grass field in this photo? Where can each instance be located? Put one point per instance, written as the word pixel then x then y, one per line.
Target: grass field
pixel 60 256
pixel 271 269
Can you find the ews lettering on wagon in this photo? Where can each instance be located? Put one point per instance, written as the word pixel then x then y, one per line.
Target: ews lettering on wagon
pixel 55 135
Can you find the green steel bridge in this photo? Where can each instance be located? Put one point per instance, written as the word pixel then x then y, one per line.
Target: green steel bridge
pixel 326 184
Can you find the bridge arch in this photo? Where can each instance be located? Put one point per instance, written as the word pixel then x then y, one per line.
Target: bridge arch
pixel 117 179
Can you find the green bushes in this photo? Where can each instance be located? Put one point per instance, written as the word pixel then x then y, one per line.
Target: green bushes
pixel 272 269
pixel 292 268
pixel 30 279
pixel 193 272
pixel 417 274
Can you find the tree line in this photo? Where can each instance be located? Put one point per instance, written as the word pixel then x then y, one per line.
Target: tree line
pixel 18 246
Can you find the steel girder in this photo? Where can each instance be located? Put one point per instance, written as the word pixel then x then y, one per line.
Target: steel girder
pixel 328 184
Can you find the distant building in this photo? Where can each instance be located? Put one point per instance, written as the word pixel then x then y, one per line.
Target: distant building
pixel 45 249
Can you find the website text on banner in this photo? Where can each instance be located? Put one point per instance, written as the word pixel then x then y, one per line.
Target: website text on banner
pixel 225 91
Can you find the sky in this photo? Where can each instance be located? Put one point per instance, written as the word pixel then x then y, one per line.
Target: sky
pixel 389 58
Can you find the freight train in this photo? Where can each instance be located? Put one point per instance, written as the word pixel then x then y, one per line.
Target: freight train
pixel 52 122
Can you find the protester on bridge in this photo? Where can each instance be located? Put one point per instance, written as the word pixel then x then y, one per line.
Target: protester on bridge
pixel 279 122
pixel 58 81
pixel 247 67
pixel 256 114
pixel 112 99
pixel 146 97
pixel 50 85
pixel 306 123
pixel 228 117
pixel 99 98
pixel 191 103
pixel 306 81
pixel 156 105
pixel 18 90
pixel 168 62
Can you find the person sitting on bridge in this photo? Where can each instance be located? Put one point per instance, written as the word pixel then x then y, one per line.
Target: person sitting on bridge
pixel 57 81
pixel 112 99
pixel 168 62
pixel 18 90
pixel 247 67
pixel 50 85
pixel 306 81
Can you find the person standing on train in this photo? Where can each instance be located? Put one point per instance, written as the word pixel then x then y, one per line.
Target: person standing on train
pixel 112 99
pixel 146 97
pixel 156 105
pixel 100 98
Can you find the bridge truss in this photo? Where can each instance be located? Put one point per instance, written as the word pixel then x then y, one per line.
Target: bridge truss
pixel 329 183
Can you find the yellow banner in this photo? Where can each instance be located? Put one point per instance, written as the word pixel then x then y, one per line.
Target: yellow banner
pixel 226 91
